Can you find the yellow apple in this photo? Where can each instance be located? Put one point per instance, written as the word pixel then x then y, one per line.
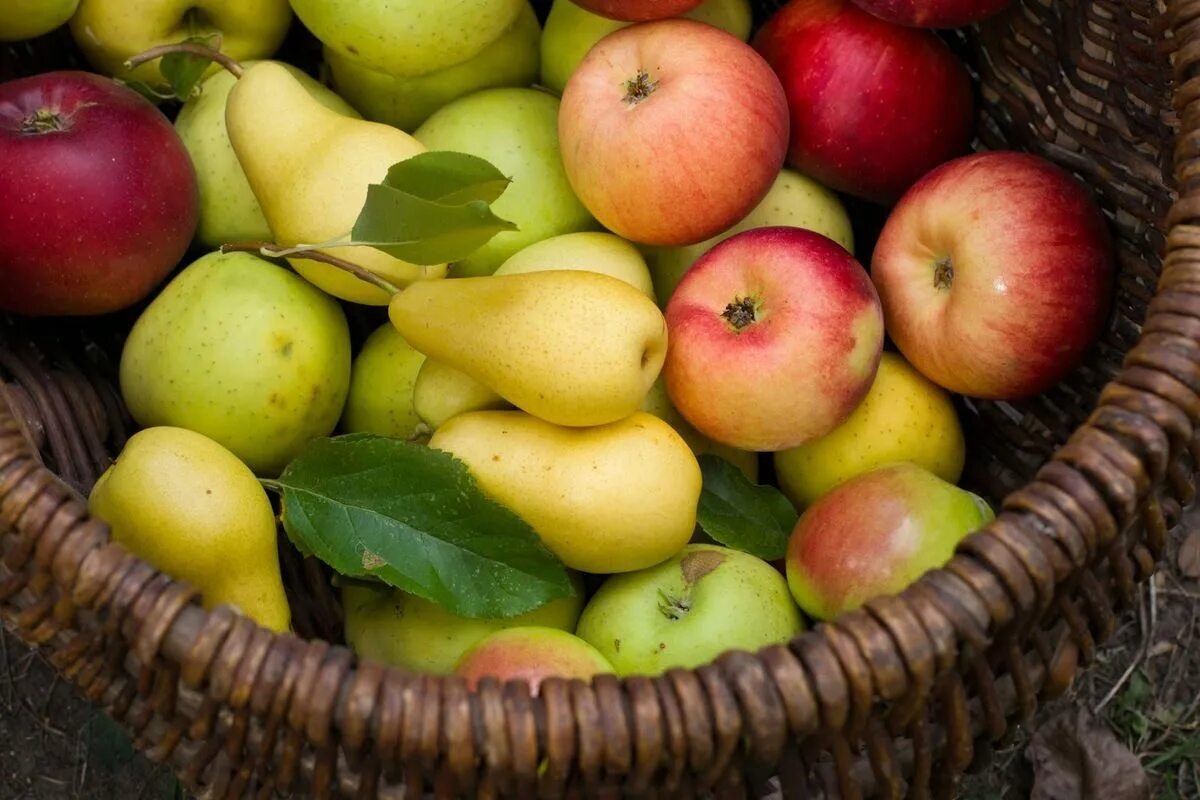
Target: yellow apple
pixel 904 418
pixel 589 251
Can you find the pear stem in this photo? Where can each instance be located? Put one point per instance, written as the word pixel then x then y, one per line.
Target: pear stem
pixel 275 251
pixel 192 48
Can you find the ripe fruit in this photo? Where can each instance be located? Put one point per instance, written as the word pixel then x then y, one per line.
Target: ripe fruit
pixel 688 146
pixel 442 392
pixel 187 506
pixel 382 379
pixel 589 251
pixel 874 535
pixel 28 19
pixel 687 610
pixel 246 353
pixel 637 10
pixel 904 417
pixel 874 106
pixel 933 13
pixel 98 193
pixel 775 336
pixel 532 655
pixel 995 272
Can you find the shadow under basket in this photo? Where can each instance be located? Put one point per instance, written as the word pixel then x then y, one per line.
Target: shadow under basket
pixel 896 700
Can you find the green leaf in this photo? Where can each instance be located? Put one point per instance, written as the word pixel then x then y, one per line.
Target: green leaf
pixel 743 515
pixel 422 231
pixel 448 178
pixel 183 71
pixel 377 507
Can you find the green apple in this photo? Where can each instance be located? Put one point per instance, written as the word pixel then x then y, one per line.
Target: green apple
pixel 400 629
pixel 110 31
pixel 688 610
pixel 408 37
pixel 794 199
pixel 381 387
pixel 28 19
pixel 229 211
pixel 875 534
pixel 589 251
pixel 517 130
pixel 571 31
pixel 406 101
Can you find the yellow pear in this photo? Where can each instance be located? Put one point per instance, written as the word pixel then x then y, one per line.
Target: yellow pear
pixel 571 347
pixel 658 403
pixel 605 499
pixel 187 506
pixel 442 392
pixel 310 168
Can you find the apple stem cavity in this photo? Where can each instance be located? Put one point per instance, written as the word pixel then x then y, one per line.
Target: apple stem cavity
pixel 191 48
pixel 943 273
pixel 673 608
pixel 270 250
pixel 742 312
pixel 639 87
pixel 43 121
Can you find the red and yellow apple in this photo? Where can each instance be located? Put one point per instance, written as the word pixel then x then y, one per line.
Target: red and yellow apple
pixel 531 654
pixel 995 273
pixel 774 337
pixel 672 131
pixel 637 10
pixel 874 106
pixel 933 13
pixel 875 535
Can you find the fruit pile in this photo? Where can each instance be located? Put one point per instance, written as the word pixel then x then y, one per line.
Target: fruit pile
pixel 608 260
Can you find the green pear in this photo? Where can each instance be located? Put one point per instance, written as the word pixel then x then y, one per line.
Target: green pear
pixel 591 251
pixel 517 130
pixel 188 507
pixel 28 19
pixel 244 352
pixel 395 628
pixel 794 199
pixel 310 168
pixel 382 378
pixel 405 101
pixel 658 403
pixel 443 392
pixel 571 347
pixel 408 37
pixel 229 211
pixel 572 30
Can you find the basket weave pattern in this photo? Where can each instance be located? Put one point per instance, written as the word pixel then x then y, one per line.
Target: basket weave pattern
pixel 896 700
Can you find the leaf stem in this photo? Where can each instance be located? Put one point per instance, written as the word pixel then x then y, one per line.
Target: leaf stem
pixel 192 48
pixel 274 486
pixel 271 250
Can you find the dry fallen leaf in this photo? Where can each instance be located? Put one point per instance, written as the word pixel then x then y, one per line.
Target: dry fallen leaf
pixel 1189 555
pixel 1076 758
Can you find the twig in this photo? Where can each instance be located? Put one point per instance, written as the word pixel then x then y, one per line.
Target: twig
pixel 1147 638
pixel 275 251
pixel 191 48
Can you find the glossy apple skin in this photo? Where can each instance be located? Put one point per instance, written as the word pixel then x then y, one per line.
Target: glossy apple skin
pixel 801 367
pixel 94 216
pixel 874 106
pixel 1032 274
pixel 691 158
pixel 933 13
pixel 637 10
pixel 875 535
pixel 532 655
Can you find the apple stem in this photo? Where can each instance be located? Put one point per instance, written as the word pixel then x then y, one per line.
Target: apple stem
pixel 275 251
pixel 191 48
pixel 943 273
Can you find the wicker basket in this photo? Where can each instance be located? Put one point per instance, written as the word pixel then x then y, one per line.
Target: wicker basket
pixel 896 700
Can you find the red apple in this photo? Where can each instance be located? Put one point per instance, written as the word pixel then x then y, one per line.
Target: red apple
pixel 531 654
pixel 995 273
pixel 98 197
pixel 875 534
pixel 638 10
pixel 933 13
pixel 774 336
pixel 672 131
pixel 874 106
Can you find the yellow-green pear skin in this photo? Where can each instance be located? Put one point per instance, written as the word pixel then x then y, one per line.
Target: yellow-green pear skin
pixel 382 379
pixel 310 168
pixel 28 19
pixel 590 251
pixel 405 101
pixel 605 499
pixel 243 351
pixel 571 347
pixel 229 211
pixel 188 507
pixel 399 629
pixel 658 403
pixel 443 392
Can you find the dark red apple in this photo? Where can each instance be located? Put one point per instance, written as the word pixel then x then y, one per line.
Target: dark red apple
pixel 933 13
pixel 98 196
pixel 874 106
pixel 638 10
